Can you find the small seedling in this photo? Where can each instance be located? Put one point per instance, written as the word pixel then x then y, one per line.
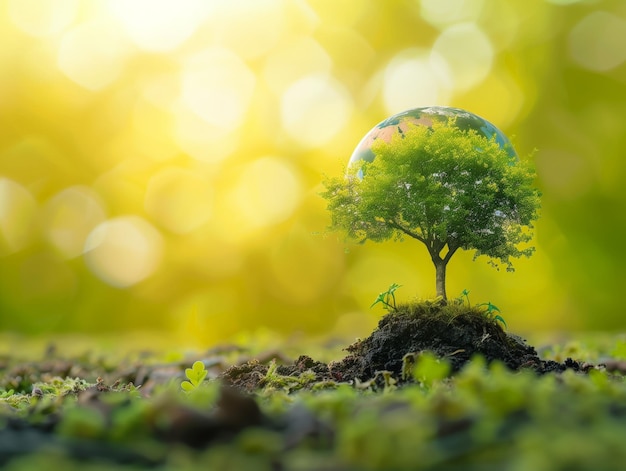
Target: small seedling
pixel 388 298
pixel 489 311
pixel 464 296
pixel 490 308
pixel 195 375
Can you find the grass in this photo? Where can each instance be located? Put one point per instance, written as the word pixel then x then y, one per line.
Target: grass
pixel 483 417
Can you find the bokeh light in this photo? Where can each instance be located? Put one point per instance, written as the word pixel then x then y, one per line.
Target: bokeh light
pixel 592 42
pixel 414 78
pixel 201 140
pixel 314 109
pixel 217 86
pixel 92 54
pixel 17 216
pixel 445 12
pixel 161 162
pixel 180 200
pixel 123 251
pixel 284 66
pixel 260 21
pixel 43 18
pixel 69 217
pixel 267 192
pixel 167 25
pixel 468 53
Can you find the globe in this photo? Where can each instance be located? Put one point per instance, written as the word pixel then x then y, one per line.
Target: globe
pixel 399 124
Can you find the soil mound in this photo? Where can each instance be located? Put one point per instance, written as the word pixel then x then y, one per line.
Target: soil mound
pixel 452 332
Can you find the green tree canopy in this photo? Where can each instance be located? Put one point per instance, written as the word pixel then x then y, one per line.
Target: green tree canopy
pixel 450 189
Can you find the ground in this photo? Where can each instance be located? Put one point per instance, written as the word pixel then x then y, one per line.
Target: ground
pixel 433 387
pixel 453 333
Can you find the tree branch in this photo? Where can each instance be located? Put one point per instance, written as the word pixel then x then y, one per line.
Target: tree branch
pixel 438 245
pixel 451 250
pixel 408 232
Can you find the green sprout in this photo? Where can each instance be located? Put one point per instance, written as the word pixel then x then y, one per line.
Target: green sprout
pixel 388 298
pixel 195 375
pixel 489 311
pixel 464 294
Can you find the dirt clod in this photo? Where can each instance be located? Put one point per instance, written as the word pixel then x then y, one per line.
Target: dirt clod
pixel 454 333
pixel 450 332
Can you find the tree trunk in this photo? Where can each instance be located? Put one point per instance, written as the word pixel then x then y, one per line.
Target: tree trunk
pixel 440 273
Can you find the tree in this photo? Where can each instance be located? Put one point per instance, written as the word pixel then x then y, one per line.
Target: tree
pixel 448 188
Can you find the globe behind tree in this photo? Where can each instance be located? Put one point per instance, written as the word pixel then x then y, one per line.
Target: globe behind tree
pixel 442 176
pixel 400 123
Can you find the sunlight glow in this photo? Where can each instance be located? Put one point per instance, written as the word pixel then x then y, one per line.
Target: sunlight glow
pixel 159 25
pixel 598 41
pixel 217 86
pixel 446 12
pixel 468 52
pixel 123 251
pixel 92 54
pixel 151 132
pixel 413 79
pixel 162 90
pixel 174 147
pixel 284 65
pixel 201 140
pixel 69 217
pixel 268 192
pixel 43 17
pixel 250 28
pixel 314 109
pixel 17 216
pixel 180 200
pixel 506 100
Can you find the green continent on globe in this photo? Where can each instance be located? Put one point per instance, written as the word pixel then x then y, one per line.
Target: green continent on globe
pixel 399 123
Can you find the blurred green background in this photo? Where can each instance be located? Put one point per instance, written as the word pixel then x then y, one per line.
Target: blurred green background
pixel 161 161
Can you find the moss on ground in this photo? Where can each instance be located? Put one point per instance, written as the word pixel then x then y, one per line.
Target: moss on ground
pixel 418 406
